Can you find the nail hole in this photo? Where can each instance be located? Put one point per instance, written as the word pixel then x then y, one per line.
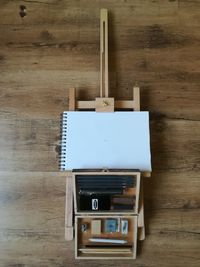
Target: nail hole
pixel 22 11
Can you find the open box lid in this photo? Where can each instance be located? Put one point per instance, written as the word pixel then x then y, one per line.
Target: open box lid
pixel 111 191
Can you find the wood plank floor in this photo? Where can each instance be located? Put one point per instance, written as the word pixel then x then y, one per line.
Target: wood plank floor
pixel 55 46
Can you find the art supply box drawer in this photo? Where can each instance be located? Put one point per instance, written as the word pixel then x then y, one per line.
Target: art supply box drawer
pixel 105 237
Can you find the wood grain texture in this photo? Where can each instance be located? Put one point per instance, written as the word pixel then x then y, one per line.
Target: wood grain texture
pixel 153 44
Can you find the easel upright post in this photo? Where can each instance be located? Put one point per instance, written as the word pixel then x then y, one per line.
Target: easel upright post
pixel 104 83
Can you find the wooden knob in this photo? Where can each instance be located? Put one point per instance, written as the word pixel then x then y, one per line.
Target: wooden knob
pixel 105 103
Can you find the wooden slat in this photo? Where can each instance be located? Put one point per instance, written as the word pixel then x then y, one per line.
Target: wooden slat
pixel 86 104
pixel 69 209
pixel 119 104
pixel 136 97
pixel 72 99
pixel 124 104
pixel 69 229
pixel 141 222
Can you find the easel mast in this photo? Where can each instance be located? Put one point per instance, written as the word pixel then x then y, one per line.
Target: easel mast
pixel 104 80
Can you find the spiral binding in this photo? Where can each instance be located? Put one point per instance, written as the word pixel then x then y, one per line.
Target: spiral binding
pixel 63 152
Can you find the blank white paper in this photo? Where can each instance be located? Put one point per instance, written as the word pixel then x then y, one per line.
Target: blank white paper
pixel 107 140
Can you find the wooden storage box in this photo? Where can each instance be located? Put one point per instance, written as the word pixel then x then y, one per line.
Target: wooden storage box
pixel 87 249
pixel 106 208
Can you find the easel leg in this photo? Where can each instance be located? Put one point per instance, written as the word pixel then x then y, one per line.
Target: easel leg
pixel 141 226
pixel 69 183
pixel 69 209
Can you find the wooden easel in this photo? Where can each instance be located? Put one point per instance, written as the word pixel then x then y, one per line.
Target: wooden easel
pixel 103 103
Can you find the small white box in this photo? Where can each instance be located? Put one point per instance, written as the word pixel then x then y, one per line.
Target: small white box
pixel 124 227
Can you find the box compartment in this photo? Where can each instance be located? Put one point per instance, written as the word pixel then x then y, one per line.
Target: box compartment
pixel 87 245
pixel 106 192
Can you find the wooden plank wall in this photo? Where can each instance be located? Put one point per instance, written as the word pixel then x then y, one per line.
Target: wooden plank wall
pixel 153 43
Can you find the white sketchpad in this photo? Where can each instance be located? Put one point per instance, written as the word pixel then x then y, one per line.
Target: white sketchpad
pixel 106 140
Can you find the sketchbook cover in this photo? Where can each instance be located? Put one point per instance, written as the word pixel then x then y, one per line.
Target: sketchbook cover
pixel 92 140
